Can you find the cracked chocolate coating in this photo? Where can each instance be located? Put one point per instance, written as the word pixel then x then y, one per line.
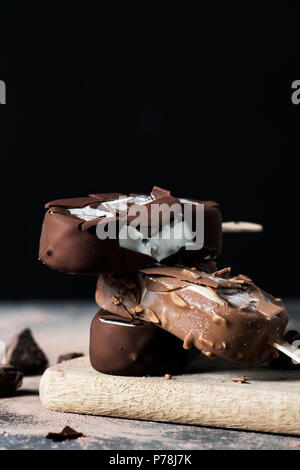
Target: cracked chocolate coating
pixel 70 244
pixel 223 316
pixel 136 350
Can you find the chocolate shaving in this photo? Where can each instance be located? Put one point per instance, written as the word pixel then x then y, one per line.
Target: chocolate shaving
pixel 155 218
pixel 158 193
pixel 105 197
pixel 194 277
pixel 164 284
pixel 224 273
pixel 268 308
pixel 65 434
pixel 74 202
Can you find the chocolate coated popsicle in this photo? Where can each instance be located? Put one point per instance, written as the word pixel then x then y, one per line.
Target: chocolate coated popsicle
pixel 223 316
pixel 70 239
pixel 125 346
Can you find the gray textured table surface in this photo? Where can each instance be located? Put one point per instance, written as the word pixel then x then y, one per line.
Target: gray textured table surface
pixel 61 327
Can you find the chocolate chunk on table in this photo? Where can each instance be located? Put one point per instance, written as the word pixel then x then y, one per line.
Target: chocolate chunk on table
pixel 10 380
pixel 25 354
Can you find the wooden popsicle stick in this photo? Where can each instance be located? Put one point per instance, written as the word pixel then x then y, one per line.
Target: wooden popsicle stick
pixel 237 227
pixel 292 351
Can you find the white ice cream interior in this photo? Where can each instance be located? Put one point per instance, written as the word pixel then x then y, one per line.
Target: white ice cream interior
pixel 113 322
pixel 205 292
pixel 163 244
pixel 159 246
pixel 88 213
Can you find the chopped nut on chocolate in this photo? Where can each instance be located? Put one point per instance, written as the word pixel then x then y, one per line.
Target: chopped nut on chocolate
pixel 206 342
pixel 177 300
pixel 10 380
pixel 25 354
pixel 218 319
pixel 66 433
pixel 164 319
pixel 115 300
pixel 152 316
pixel 188 341
pixel 68 356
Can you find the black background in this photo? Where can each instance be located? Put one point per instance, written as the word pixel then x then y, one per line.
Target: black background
pixel 125 96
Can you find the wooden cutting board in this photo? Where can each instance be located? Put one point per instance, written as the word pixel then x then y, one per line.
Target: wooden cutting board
pixel 270 402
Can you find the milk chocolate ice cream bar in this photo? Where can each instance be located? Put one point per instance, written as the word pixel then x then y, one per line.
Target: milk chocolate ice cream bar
pixel 70 239
pixel 130 346
pixel 223 316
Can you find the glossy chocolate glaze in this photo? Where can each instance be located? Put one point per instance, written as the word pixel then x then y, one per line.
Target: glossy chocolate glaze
pixel 133 347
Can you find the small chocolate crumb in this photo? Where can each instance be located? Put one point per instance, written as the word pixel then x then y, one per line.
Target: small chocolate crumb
pixel 292 444
pixel 68 356
pixel 240 380
pixel 168 376
pixel 66 433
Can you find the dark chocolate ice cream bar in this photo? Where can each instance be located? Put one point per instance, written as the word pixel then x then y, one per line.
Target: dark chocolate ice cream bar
pixel 223 316
pixel 70 239
pixel 133 347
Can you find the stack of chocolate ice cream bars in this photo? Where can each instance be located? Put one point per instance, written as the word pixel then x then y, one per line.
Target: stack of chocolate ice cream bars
pixel 159 290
